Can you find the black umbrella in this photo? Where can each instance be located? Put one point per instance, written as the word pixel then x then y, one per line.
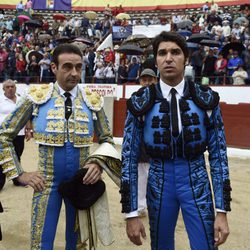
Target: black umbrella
pixel 63 39
pixel 83 40
pixel 196 38
pixel 232 46
pixel 130 49
pixel 184 32
pixel 184 24
pixel 33 23
pixel 210 43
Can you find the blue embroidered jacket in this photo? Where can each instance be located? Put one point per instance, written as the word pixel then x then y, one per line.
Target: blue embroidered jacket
pixel 149 119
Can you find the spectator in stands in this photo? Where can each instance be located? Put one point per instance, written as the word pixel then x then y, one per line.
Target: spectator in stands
pixel 11 63
pixel 3 62
pixel 98 29
pixel 99 75
pixel 233 64
pixel 246 61
pixel 220 69
pixel 109 73
pixel 212 18
pixel 9 24
pixel 205 7
pixel 217 28
pixel 226 29
pixel 28 6
pixel 78 24
pixel 214 6
pixel 20 6
pixel 133 70
pixel 33 70
pixel 236 33
pixel 109 55
pixel 239 76
pixel 90 54
pixel 85 25
pixel 20 68
pixel 106 25
pixel 122 72
pixel 45 68
pixel 197 62
pixel 108 10
pixel 61 28
pixel 8 103
pixel 124 22
pixel 196 28
pixel 208 67
pixel 55 26
pixel 85 62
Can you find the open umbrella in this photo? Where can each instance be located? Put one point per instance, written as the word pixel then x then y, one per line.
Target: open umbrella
pixel 81 46
pixel 59 16
pixel 44 37
pixel 135 38
pixel 142 40
pixel 22 18
pixel 184 24
pixel 83 40
pixel 192 45
pixel 234 46
pixel 241 20
pixel 122 16
pixel 90 15
pixel 63 39
pixel 210 43
pixel 39 56
pixel 184 32
pixel 33 23
pixel 144 43
pixel 196 38
pixel 130 49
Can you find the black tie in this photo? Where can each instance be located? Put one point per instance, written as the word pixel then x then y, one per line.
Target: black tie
pixel 68 105
pixel 174 113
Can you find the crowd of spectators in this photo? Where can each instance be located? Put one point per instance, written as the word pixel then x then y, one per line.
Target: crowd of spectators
pixel 25 50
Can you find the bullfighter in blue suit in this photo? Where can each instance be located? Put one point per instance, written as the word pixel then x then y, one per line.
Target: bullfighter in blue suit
pixel 178 121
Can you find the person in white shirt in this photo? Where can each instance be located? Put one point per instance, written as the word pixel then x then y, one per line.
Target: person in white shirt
pixel 214 6
pixel 226 29
pixel 177 121
pixel 8 103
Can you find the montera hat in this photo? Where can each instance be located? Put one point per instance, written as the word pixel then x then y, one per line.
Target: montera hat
pixel 80 195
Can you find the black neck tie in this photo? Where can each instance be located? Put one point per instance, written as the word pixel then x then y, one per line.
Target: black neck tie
pixel 68 105
pixel 174 113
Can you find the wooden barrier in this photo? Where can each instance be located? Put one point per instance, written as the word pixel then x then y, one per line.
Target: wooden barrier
pixel 237 124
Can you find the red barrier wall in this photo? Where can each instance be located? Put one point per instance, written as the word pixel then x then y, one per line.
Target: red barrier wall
pixel 237 124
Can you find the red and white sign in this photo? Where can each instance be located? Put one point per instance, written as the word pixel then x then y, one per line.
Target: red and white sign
pixel 105 90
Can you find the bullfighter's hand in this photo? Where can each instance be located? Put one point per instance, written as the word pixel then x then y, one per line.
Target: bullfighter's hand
pixel 135 229
pixel 93 174
pixel 221 229
pixel 33 179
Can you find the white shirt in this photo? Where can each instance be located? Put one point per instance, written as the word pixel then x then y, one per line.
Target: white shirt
pixel 7 106
pixel 165 89
pixel 73 92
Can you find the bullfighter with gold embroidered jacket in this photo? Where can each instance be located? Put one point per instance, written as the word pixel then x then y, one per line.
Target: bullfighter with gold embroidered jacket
pixel 63 148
